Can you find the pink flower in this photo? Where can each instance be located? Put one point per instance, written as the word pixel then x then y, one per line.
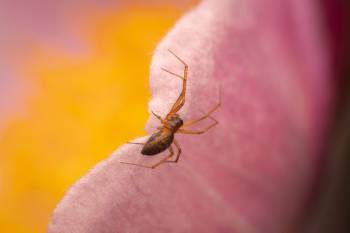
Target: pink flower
pixel 255 171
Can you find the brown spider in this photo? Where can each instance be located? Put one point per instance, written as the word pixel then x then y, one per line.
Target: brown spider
pixel 171 124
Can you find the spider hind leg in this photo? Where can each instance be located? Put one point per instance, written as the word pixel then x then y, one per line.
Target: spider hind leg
pixel 156 164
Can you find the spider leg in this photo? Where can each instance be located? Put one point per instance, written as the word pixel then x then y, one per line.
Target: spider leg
pixel 156 164
pixel 137 143
pixel 179 76
pixel 178 152
pixel 164 159
pixel 182 61
pixel 185 131
pixel 159 117
pixel 191 122
pixel 181 99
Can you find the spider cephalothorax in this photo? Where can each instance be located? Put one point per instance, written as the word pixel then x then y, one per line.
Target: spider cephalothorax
pixel 174 123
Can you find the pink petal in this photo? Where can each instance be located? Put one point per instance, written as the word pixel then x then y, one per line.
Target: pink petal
pixel 255 171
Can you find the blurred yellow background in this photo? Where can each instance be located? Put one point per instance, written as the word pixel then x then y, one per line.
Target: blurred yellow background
pixel 77 107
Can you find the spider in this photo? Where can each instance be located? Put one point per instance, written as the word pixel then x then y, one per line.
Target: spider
pixel 171 124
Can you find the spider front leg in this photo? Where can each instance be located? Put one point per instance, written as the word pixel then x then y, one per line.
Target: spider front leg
pixel 181 99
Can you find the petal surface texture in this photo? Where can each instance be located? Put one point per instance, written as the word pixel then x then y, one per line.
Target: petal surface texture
pixel 253 172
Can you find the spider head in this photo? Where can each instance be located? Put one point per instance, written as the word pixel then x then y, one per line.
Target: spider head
pixel 175 122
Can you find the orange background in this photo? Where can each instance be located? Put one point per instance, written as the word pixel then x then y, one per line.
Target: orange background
pixel 74 106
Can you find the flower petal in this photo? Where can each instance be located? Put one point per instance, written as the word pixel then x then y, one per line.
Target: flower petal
pixel 255 171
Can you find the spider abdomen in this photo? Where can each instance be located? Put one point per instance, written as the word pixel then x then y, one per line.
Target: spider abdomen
pixel 158 142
